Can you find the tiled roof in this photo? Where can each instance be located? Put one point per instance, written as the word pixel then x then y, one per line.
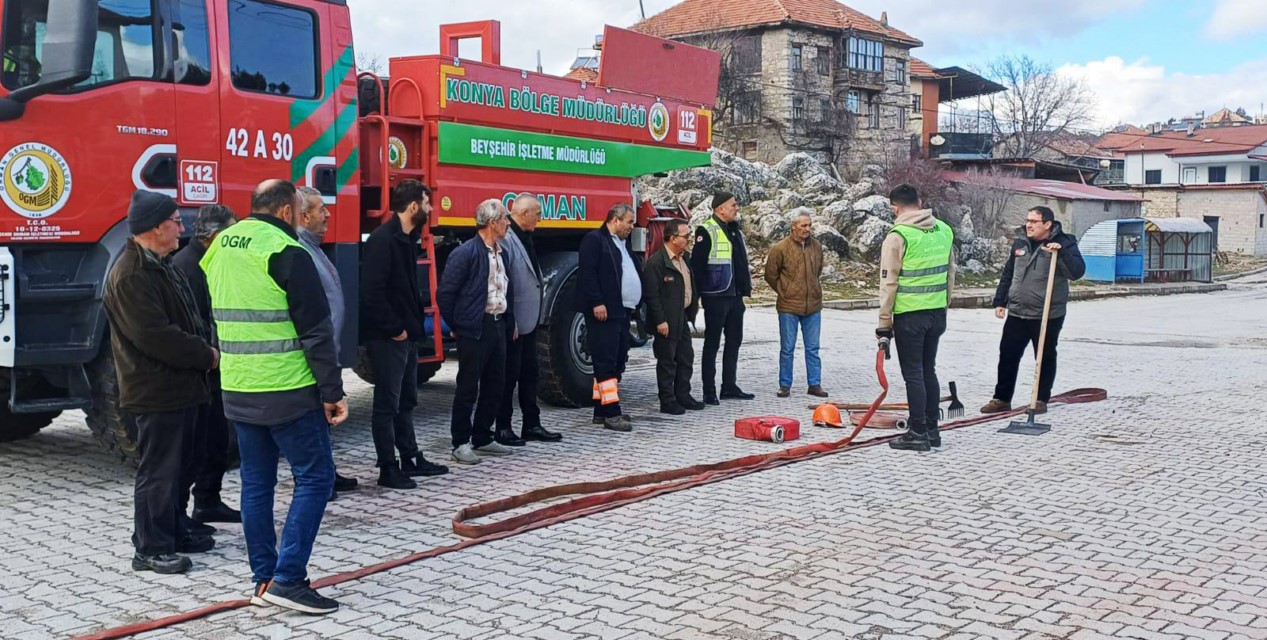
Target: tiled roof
pixel 1226 116
pixel 1077 148
pixel 700 16
pixel 921 69
pixel 1048 188
pixel 582 73
pixel 1203 142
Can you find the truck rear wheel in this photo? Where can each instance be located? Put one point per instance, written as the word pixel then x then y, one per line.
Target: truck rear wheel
pixel 567 372
pixel 19 426
pixel 113 429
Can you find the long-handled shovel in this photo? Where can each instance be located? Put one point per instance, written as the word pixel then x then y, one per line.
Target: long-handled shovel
pixel 1028 427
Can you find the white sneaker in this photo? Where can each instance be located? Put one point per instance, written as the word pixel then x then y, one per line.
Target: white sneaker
pixel 465 455
pixel 494 448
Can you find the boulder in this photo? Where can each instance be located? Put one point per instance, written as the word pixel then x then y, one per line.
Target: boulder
pixel 875 206
pixel 799 167
pixel 842 215
pixel 758 192
pixel 773 227
pixel 753 173
pixel 820 190
pixel 966 232
pixel 833 243
pixel 710 180
pixel 788 200
pixel 858 190
pixel 972 266
pixel 700 213
pixel 868 237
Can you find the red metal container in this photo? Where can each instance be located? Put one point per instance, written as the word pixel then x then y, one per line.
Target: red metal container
pixel 768 428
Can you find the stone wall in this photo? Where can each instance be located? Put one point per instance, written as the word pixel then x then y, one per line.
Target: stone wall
pixel 1075 216
pixel 1241 216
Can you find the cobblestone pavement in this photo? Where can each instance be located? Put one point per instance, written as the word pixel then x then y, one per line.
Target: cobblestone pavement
pixel 1143 516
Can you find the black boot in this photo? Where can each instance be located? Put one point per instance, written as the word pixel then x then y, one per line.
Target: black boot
pixel 218 512
pixel 710 397
pixel 538 433
pixel 418 466
pixel 915 438
pixel 194 527
pixel 930 430
pixel 508 438
pixel 390 476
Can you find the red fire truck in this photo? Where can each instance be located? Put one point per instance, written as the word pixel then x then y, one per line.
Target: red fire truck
pixel 203 99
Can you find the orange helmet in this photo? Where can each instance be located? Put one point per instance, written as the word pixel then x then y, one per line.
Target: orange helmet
pixel 827 415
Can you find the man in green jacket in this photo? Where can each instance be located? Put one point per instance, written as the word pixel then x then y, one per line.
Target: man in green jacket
pixel 917 275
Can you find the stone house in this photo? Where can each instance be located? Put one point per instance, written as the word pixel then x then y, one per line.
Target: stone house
pixel 801 75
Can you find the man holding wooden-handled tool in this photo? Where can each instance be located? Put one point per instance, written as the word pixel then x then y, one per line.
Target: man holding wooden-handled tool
pixel 1032 295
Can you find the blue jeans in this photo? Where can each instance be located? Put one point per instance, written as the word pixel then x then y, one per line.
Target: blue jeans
pixel 809 325
pixel 306 444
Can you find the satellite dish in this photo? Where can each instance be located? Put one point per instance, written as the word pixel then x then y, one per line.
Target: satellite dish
pixel 937 140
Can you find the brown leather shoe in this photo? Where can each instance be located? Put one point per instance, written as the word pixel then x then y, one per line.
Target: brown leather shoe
pixel 784 392
pixel 1040 407
pixel 996 406
pixel 816 391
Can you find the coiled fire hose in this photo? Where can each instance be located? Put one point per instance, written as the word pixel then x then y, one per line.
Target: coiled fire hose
pixel 603 496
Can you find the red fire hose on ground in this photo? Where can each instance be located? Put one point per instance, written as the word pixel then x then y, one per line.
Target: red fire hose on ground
pixel 603 496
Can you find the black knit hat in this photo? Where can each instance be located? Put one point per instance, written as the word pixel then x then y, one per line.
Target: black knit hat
pixel 148 210
pixel 722 197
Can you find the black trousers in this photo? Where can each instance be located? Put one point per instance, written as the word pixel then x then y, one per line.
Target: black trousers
pixel 721 316
pixel 917 335
pixel 608 344
pixel 1018 334
pixel 165 443
pixel 674 359
pixel 522 370
pixel 204 473
pixel 481 382
pixel 395 365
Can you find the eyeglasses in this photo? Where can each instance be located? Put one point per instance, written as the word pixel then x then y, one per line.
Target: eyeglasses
pixel 1033 221
pixel 684 236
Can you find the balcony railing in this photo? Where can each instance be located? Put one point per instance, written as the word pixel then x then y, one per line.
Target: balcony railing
pixel 977 145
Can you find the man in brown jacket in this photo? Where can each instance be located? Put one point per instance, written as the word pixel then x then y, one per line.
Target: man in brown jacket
pixel 162 363
pixel 793 269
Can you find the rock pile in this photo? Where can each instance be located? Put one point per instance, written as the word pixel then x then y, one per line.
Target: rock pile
pixel 850 220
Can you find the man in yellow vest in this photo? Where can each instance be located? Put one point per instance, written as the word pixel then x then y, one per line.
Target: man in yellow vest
pixel 720 267
pixel 917 275
pixel 282 385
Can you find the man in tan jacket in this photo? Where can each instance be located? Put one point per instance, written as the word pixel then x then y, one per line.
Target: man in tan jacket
pixel 793 268
pixel 917 278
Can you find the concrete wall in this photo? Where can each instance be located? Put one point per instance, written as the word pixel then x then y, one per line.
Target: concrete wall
pixel 1241 214
pixel 1075 216
pixel 1138 163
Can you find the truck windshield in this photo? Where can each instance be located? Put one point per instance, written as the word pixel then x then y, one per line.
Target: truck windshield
pixel 124 48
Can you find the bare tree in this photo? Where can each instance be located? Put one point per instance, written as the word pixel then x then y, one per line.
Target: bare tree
pixel 739 78
pixel 367 61
pixel 1038 105
pixel 988 195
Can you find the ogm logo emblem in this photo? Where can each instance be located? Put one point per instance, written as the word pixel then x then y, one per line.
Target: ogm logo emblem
pixel 397 154
pixel 36 180
pixel 658 121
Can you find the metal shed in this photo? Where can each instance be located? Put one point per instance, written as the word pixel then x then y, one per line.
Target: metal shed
pixel 1154 249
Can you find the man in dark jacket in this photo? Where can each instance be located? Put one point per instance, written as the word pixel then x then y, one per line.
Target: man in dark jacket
pixel 610 288
pixel 282 387
pixel 205 473
pixel 392 327
pixel 672 301
pixel 720 266
pixel 1019 298
pixel 476 298
pixel 522 369
pixel 162 362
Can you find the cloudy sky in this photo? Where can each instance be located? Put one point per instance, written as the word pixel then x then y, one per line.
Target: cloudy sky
pixel 1145 59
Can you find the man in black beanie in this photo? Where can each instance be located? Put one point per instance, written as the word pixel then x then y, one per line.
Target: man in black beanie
pixel 720 266
pixel 162 362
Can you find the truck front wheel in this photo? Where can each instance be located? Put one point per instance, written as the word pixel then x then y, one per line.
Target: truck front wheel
pixel 113 429
pixel 567 372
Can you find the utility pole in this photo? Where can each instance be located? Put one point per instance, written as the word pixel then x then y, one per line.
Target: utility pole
pixel 642 10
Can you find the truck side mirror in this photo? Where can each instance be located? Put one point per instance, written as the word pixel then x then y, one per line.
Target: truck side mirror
pixel 69 41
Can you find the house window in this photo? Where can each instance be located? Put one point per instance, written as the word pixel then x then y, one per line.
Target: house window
pixel 798 108
pixel 1217 174
pixel 273 49
pixel 873 112
pixel 748 54
pixel 1152 176
pixel 796 58
pixel 824 110
pixel 1260 220
pixel 750 149
pixel 864 55
pixel 824 61
pixel 899 71
pixel 747 108
pixel 1189 175
pixel 917 104
pixel 901 118
pixel 1255 173
pixel 853 101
